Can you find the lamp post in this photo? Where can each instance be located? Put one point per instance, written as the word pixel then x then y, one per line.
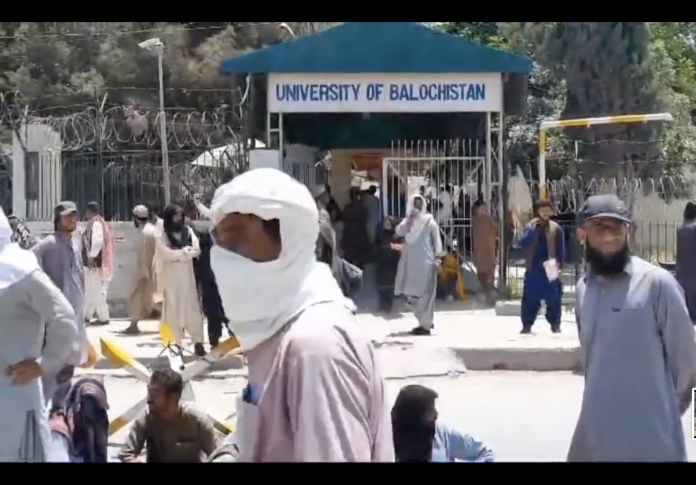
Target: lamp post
pixel 156 45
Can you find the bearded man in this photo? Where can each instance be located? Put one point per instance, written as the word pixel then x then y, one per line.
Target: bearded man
pixel 176 249
pixel 638 345
pixel 314 391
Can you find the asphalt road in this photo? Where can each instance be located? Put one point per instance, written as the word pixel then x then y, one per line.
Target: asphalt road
pixel 522 416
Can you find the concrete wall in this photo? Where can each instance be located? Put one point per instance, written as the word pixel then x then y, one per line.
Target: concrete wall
pixel 45 143
pixel 125 260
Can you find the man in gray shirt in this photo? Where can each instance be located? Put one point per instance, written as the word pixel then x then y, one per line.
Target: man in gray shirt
pixel 638 346
pixel 60 256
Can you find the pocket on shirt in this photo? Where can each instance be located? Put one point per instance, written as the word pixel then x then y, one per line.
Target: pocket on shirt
pixel 247 427
pixel 187 452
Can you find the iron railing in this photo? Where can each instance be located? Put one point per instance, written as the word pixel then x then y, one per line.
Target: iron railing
pixel 119 181
pixel 653 241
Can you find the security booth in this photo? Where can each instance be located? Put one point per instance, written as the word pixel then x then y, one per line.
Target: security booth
pixel 415 109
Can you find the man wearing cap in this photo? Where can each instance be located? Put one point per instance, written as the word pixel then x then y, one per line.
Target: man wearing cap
pixel 98 258
pixel 60 256
pixel 141 301
pixel 638 346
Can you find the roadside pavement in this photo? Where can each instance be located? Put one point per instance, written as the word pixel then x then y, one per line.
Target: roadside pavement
pixel 477 340
pixel 462 341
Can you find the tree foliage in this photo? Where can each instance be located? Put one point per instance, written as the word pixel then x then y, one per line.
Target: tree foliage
pixel 65 67
pixel 582 69
pixel 594 69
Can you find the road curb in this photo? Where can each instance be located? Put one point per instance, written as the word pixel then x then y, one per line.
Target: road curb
pixel 511 359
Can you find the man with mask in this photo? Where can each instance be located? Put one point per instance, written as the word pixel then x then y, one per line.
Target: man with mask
pixel 416 275
pixel 141 300
pixel 686 258
pixel 314 391
pixel 542 241
pixel 60 256
pixel 638 346
pixel 176 249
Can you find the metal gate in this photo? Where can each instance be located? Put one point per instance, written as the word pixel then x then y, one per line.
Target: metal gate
pixel 449 174
pixel 310 174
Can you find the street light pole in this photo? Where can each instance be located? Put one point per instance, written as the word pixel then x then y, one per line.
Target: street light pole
pixel 157 45
pixel 163 128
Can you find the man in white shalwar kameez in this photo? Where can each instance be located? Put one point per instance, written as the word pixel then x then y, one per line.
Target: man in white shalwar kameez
pixel 38 330
pixel 416 276
pixel 97 256
pixel 176 249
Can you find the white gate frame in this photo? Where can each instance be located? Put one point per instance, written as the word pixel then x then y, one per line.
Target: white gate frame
pixel 494 169
pixel 388 167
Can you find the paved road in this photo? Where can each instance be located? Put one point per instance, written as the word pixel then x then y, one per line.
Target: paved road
pixel 523 416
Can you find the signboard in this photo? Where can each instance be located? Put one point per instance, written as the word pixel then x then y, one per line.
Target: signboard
pixel 384 93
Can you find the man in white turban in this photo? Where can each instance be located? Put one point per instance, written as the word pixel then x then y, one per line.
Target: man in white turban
pixel 314 391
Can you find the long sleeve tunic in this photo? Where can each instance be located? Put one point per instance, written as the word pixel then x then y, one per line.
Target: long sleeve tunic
pixel 34 311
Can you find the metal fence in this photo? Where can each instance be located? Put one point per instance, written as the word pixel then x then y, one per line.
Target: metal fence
pixel 119 181
pixel 656 205
pixel 653 241
pixel 111 153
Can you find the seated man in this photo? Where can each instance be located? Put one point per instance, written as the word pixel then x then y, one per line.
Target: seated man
pixel 173 431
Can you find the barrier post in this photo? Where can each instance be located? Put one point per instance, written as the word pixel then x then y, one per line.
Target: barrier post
pixel 586 122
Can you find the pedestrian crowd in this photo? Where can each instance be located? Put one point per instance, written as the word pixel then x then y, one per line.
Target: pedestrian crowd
pixel 268 269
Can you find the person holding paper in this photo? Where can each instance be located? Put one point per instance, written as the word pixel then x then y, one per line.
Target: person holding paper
pixel 542 241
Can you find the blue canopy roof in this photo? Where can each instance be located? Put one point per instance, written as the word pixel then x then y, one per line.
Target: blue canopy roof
pixel 378 47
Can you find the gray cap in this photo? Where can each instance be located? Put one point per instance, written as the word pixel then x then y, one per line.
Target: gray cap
pixel 65 208
pixel 604 206
pixel 141 211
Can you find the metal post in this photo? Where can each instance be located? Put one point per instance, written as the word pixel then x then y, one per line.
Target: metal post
pixel 585 122
pixel 281 142
pixel 543 193
pixel 488 167
pixel 502 204
pixel 163 129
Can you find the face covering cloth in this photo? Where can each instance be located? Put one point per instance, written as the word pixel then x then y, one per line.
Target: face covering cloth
pixel 260 298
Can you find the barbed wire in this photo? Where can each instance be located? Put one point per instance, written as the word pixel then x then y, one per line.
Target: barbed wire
pixel 127 33
pixel 568 193
pixel 116 125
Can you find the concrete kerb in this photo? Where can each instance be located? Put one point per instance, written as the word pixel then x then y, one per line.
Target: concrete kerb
pixel 518 359
pixel 473 341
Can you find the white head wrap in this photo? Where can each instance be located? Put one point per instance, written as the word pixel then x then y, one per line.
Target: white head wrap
pixel 15 263
pixel 260 298
pixel 419 220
